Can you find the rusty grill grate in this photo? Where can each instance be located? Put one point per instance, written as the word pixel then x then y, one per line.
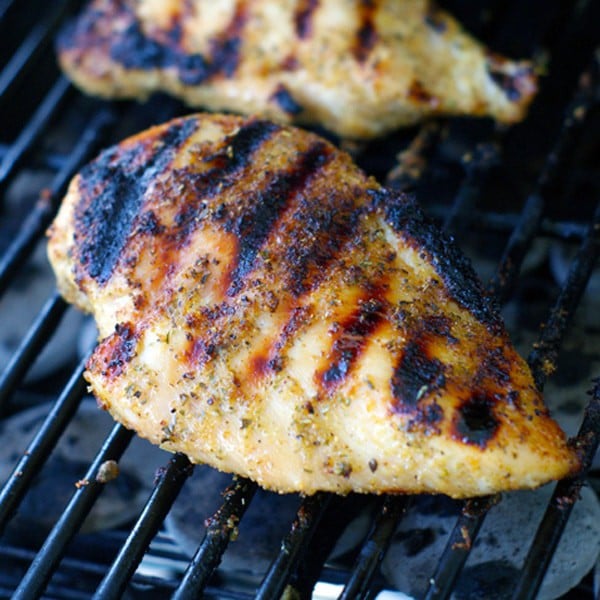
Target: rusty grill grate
pixel 537 181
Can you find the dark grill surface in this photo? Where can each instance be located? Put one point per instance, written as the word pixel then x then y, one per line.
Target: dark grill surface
pixel 503 193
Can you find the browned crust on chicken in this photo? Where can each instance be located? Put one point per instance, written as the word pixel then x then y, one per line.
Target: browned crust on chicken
pixel 359 68
pixel 267 308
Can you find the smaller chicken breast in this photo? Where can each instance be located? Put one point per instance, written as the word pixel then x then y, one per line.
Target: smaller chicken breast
pixel 268 309
pixel 357 68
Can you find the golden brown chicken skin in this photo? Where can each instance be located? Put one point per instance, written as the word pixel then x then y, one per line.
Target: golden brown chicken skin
pixel 359 68
pixel 268 309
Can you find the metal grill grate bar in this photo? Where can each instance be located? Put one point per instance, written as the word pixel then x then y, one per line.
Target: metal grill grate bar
pixel 40 447
pixel 506 223
pixel 218 534
pixel 293 546
pixel 375 547
pixel 565 495
pixel 545 353
pixel 468 524
pixel 169 483
pixel 477 165
pixel 5 7
pixel 33 130
pixel 49 556
pixel 586 96
pixel 39 38
pixel 40 331
pixel 459 546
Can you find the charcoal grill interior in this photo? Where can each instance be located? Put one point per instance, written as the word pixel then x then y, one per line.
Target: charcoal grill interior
pixel 506 194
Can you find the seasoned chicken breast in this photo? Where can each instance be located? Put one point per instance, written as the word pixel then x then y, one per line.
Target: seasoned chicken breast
pixel 355 67
pixel 268 309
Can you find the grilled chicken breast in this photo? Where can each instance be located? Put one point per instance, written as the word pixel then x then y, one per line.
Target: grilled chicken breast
pixel 358 68
pixel 266 308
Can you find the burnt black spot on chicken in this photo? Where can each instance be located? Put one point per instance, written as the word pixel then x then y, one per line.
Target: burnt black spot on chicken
pixel 406 218
pixel 303 17
pixel 112 192
pixel 353 335
pixel 366 34
pixel 299 316
pixel 124 342
pixel 475 422
pixel 254 225
pixel 285 100
pixel 415 376
pixel 426 418
pixel 271 359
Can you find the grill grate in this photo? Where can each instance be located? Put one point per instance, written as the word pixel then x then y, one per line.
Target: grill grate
pixel 51 128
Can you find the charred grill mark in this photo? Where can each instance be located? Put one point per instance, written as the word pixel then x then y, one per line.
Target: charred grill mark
pixel 121 346
pixel 475 422
pixel 148 223
pixel 225 49
pixel 299 316
pixel 327 227
pixel 366 34
pixel 408 221
pixel 285 100
pixel 133 49
pixel 112 192
pixel 201 348
pixel 253 227
pixel 415 376
pixel 228 163
pixel 303 17
pixel 440 326
pixel 272 359
pixel 351 341
pixel 263 364
pixel 246 141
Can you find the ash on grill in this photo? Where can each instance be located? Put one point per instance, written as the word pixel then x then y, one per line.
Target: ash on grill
pixel 521 204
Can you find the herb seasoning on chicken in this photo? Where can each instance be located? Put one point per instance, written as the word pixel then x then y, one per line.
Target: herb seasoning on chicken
pixel 268 309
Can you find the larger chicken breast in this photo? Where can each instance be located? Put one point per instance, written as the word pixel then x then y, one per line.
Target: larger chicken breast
pixel 268 309
pixel 359 68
